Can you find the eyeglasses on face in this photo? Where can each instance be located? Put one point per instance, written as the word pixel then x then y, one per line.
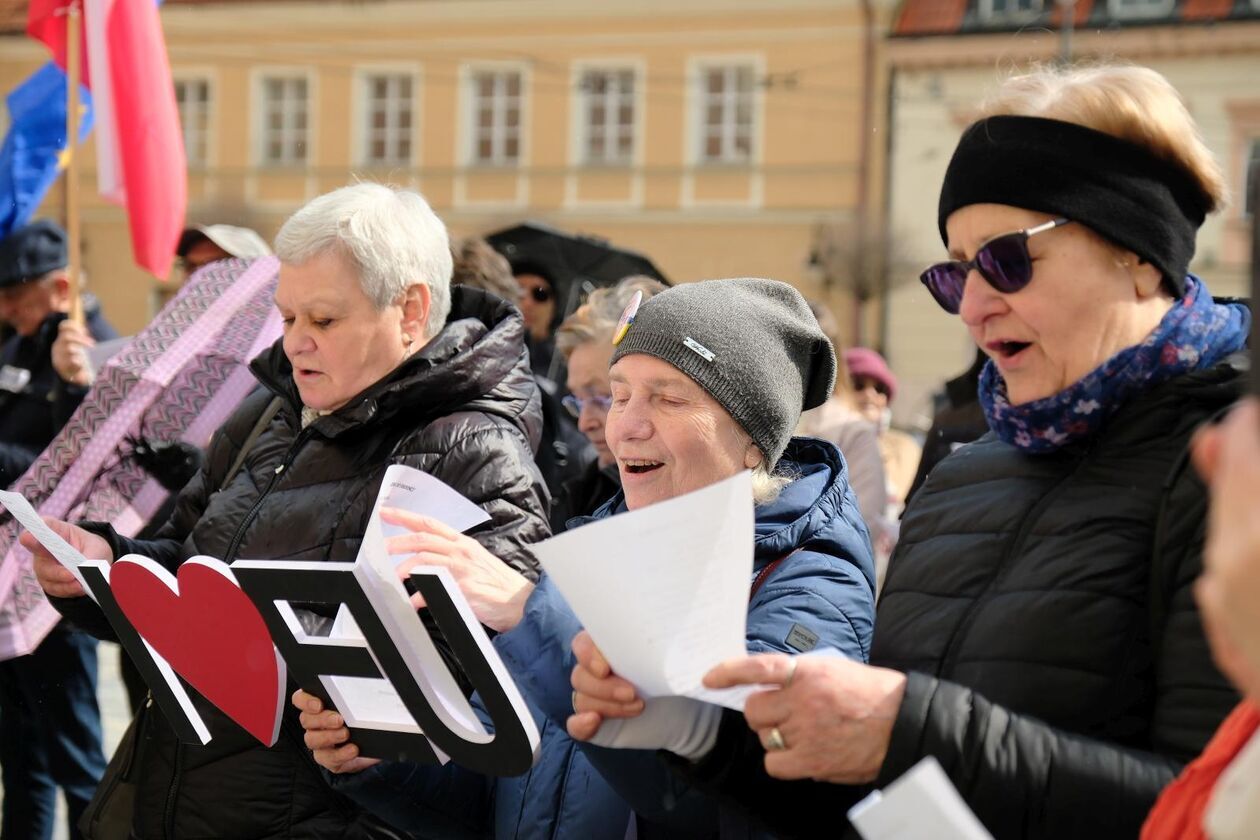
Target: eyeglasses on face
pixel 1002 261
pixel 574 405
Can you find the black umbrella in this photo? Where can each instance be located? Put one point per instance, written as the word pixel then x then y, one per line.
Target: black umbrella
pixel 574 264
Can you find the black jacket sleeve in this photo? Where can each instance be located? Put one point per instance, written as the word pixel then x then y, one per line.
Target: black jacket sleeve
pixel 494 468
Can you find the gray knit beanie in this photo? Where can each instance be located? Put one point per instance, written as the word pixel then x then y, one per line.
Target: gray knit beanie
pixel 752 344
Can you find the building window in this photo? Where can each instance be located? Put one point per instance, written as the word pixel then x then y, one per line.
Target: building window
pixel 1008 9
pixel 1252 173
pixel 1140 8
pixel 285 121
pixel 496 114
pixel 192 96
pixel 389 119
pixel 608 115
pixel 726 114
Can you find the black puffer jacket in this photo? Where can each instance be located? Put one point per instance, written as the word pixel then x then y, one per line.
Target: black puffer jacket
pixel 465 409
pixel 1043 608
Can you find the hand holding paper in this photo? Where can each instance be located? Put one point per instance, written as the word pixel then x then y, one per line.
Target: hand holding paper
pixel 58 547
pixel 663 591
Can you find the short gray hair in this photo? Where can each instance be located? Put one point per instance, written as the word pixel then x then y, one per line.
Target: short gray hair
pixel 389 235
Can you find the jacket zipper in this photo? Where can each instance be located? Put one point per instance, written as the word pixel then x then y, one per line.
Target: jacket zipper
pixel 230 555
pixel 955 645
pixel 168 818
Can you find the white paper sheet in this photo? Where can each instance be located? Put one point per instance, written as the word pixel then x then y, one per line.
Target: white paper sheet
pixel 418 492
pixel 663 590
pixel 922 803
pixel 66 554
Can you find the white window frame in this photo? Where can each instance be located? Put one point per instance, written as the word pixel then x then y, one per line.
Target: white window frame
pixel 468 153
pixel 211 113
pixel 697 121
pixel 261 131
pixel 361 134
pixel 581 107
pixel 1149 9
pixel 988 12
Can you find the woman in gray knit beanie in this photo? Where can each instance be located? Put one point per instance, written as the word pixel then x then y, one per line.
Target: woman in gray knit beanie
pixel 708 379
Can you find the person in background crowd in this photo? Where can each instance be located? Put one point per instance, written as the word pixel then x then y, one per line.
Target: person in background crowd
pixel 1037 632
pixel 480 266
pixel 681 418
pixel 564 454
pixel 875 387
pixel 537 299
pixel 956 423
pixel 50 724
pixel 1218 794
pixel 585 340
pixel 381 362
pixel 839 421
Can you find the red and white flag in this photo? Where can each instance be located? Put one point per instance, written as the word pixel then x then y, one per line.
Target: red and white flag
pixel 140 148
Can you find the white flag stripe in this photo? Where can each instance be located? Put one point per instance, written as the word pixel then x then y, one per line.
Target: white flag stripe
pixel 108 167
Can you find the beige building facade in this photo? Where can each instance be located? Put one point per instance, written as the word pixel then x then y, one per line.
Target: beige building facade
pixel 719 137
pixel 944 57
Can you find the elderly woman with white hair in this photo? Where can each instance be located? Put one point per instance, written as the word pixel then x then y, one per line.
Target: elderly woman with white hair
pixel 381 363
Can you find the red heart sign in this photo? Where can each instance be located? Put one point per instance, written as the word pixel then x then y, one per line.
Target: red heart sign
pixel 210 633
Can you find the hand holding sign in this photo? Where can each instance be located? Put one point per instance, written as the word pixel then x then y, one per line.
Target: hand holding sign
pixel 327 736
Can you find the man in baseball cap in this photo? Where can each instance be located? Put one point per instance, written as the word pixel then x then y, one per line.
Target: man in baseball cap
pixel 50 724
pixel 35 294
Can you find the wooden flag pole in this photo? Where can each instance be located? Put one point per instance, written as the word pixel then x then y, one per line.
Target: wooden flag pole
pixel 73 74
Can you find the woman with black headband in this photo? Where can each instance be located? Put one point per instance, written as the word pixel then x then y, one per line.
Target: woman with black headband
pixel 1037 632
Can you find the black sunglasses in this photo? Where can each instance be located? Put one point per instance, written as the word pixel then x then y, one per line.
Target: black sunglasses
pixel 540 294
pixel 1003 261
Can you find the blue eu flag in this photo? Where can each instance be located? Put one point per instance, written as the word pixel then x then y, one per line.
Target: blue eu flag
pixel 34 150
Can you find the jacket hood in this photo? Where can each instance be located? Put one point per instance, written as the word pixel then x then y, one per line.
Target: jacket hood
pixel 478 362
pixel 817 510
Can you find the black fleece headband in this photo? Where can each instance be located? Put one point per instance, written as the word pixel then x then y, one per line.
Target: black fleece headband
pixel 1120 190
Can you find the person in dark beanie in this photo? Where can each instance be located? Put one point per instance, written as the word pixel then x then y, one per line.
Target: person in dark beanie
pixel 708 379
pixel 1037 632
pixel 50 724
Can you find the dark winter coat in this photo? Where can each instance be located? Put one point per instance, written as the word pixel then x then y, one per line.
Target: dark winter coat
pixel 1043 607
pixel 464 409
pixel 31 417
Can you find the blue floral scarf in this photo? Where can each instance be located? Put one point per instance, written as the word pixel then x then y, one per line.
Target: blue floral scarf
pixel 1195 334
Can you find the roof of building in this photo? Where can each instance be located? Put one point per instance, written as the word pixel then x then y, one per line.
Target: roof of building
pixel 920 18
